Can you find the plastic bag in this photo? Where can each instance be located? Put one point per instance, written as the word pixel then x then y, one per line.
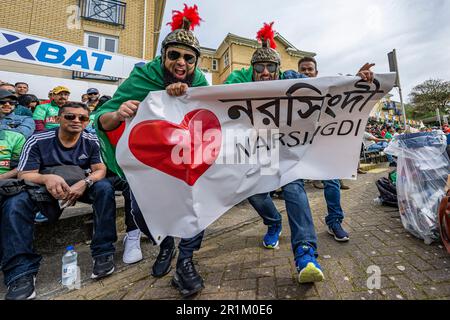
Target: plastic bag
pixel 422 170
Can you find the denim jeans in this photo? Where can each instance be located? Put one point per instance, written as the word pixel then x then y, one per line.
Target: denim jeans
pixel 186 247
pixel 17 227
pixel 379 146
pixel 122 185
pixel 332 193
pixel 298 211
pixel 263 204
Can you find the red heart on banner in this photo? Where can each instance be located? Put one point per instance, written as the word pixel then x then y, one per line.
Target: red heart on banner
pixel 184 151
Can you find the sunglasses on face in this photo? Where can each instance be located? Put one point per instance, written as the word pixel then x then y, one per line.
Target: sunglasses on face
pixel 259 67
pixel 175 55
pixel 71 117
pixel 11 103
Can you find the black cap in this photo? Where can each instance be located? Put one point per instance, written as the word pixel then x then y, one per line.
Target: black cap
pixel 7 94
pixel 92 90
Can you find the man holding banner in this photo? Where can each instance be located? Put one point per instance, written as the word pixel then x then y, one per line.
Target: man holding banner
pixel 175 70
pixel 265 66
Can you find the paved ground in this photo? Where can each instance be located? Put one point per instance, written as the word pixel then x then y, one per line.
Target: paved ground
pixel 236 266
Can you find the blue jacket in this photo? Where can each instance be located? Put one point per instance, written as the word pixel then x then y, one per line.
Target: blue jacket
pixel 22 111
pixel 291 74
pixel 21 124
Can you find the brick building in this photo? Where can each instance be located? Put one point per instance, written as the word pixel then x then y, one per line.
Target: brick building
pixel 235 52
pixel 128 27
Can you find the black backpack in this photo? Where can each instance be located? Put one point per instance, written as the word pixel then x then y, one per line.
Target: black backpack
pixel 388 192
pixel 11 187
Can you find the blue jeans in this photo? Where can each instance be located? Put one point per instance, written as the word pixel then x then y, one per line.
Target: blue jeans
pixel 379 146
pixel 17 228
pixel 332 193
pixel 186 247
pixel 263 204
pixel 298 211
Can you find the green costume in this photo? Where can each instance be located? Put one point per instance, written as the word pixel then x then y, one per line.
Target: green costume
pixel 47 113
pixel 11 144
pixel 141 81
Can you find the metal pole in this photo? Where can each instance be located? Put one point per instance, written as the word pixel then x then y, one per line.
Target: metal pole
pixel 393 66
pixel 439 117
pixel 403 106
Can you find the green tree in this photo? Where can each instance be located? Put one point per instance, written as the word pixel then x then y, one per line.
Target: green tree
pixel 430 95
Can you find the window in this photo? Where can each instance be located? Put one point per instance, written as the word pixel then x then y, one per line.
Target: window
pixel 226 59
pixel 109 11
pixel 101 42
pixel 215 65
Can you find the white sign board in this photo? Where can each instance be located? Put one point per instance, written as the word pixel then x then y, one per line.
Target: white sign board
pixel 189 159
pixel 21 47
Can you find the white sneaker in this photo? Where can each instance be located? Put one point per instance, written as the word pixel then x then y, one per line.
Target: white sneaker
pixel 132 247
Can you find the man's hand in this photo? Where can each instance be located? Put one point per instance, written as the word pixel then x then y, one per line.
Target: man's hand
pixel 76 191
pixel 365 73
pixel 57 187
pixel 176 89
pixel 127 110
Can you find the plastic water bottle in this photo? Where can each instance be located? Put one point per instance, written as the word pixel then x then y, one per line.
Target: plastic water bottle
pixel 69 268
pixel 377 201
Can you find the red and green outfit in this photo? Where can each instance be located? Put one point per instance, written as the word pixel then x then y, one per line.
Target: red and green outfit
pixel 45 116
pixel 11 144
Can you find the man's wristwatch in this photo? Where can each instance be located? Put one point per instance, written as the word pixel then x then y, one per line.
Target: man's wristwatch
pixel 88 182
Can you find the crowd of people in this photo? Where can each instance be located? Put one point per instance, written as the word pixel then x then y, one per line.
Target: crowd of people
pixel 65 151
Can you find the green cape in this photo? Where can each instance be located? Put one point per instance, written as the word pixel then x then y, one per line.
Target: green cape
pixel 141 81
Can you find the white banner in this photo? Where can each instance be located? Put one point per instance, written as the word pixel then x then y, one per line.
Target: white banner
pixel 189 159
pixel 26 48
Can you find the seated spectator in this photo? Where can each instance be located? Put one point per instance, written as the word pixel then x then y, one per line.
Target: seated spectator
pixel 21 88
pixel 372 143
pixel 11 121
pixel 28 103
pixel 9 87
pixel 84 98
pixel 11 144
pixel 62 147
pixel 390 131
pixel 45 115
pixel 100 102
pixel 383 131
pixel 93 94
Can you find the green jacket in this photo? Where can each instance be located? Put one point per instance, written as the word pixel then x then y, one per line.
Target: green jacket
pixel 141 81
pixel 11 144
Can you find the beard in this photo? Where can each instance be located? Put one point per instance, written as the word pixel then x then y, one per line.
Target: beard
pixel 169 78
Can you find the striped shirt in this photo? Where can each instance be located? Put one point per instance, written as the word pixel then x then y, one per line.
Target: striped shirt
pixel 44 150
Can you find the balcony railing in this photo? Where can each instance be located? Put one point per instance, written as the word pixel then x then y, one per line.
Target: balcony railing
pixel 107 11
pixel 86 75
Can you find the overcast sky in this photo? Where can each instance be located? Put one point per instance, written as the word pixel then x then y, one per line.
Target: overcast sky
pixel 343 33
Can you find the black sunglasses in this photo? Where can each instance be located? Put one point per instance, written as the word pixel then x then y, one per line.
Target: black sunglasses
pixel 11 102
pixel 259 67
pixel 175 55
pixel 71 117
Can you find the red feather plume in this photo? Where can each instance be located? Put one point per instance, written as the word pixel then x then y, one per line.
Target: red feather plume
pixel 267 33
pixel 190 13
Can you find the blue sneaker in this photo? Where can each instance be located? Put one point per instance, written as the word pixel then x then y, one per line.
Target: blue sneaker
pixel 40 218
pixel 338 232
pixel 308 268
pixel 270 240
